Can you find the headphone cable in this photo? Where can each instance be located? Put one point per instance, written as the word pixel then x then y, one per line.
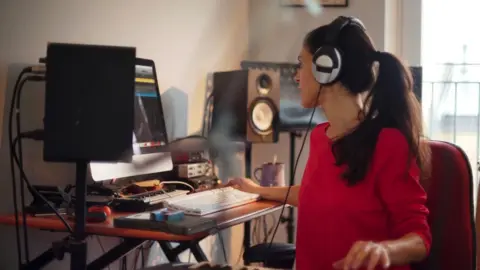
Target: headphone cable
pixel 294 172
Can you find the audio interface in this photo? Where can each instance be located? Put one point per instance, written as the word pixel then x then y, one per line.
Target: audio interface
pixel 191 170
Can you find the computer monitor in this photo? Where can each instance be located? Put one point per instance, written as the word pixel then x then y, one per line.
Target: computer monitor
pixel 149 134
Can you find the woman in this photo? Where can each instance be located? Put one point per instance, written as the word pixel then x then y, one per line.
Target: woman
pixel 360 203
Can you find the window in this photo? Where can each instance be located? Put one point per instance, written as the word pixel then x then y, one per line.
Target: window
pixel 451 87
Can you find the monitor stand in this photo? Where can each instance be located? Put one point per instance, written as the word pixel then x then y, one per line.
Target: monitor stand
pixel 78 245
pixel 75 243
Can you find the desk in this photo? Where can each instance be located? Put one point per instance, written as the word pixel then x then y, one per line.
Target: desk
pixel 134 237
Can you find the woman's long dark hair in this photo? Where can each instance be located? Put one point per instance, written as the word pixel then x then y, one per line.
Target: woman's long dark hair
pixel 390 101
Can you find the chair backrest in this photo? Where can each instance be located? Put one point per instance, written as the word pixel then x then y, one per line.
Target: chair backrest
pixel 450 201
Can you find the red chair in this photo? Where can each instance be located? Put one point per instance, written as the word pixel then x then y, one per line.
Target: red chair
pixel 452 218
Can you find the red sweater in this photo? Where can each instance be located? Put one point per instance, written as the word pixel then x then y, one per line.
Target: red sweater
pixel 388 204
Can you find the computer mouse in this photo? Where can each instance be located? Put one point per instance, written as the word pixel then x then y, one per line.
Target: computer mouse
pixel 99 209
pixel 96 217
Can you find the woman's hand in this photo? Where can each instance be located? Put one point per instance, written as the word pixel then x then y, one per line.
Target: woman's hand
pixel 244 184
pixel 365 254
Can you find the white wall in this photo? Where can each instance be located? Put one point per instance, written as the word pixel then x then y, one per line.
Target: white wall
pixel 186 39
pixel 277 32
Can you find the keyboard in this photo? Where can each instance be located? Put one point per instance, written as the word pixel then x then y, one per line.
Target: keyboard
pixel 210 201
pixel 145 201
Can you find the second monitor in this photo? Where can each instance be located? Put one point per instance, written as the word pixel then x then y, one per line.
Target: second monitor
pixel 149 135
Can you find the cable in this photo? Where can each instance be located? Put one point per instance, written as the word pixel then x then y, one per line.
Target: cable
pixel 294 171
pixel 141 250
pixel 265 229
pixel 34 190
pixel 18 85
pixel 135 260
pixel 17 100
pixel 270 231
pixel 36 135
pixel 240 255
pixel 254 232
pixel 189 137
pixel 179 183
pixel 12 167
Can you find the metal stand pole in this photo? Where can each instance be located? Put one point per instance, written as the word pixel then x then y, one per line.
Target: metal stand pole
pixel 290 218
pixel 248 170
pixel 78 244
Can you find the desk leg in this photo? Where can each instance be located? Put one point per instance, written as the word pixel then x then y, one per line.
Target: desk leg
pixel 246 236
pixel 198 252
pixel 115 253
pixel 172 252
pixel 41 261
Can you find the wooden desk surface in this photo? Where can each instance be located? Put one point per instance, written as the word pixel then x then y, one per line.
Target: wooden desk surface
pixel 225 219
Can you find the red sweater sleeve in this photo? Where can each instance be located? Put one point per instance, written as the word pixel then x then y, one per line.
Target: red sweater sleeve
pixel 399 187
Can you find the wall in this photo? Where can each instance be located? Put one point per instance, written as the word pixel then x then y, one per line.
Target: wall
pixel 276 34
pixel 186 39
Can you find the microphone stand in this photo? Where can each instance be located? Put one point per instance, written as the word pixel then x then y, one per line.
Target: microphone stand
pixel 291 214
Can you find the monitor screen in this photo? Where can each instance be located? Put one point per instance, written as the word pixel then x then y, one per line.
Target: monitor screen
pixel 149 126
pixel 149 134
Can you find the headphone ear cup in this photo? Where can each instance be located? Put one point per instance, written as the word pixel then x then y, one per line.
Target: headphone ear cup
pixel 327 64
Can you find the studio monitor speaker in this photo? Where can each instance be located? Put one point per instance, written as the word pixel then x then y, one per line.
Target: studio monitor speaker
pixel 417 74
pixel 292 117
pixel 246 105
pixel 82 83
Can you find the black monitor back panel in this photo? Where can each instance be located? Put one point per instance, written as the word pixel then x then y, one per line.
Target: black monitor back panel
pixel 89 103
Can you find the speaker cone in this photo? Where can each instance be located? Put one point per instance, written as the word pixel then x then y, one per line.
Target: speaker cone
pixel 262 116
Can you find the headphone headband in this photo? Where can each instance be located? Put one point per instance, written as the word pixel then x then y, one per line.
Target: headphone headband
pixel 336 27
pixel 334 30
pixel 327 60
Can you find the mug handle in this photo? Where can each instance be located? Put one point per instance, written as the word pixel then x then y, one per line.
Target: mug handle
pixel 255 174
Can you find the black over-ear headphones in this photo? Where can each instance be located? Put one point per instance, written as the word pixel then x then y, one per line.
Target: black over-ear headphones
pixel 327 60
